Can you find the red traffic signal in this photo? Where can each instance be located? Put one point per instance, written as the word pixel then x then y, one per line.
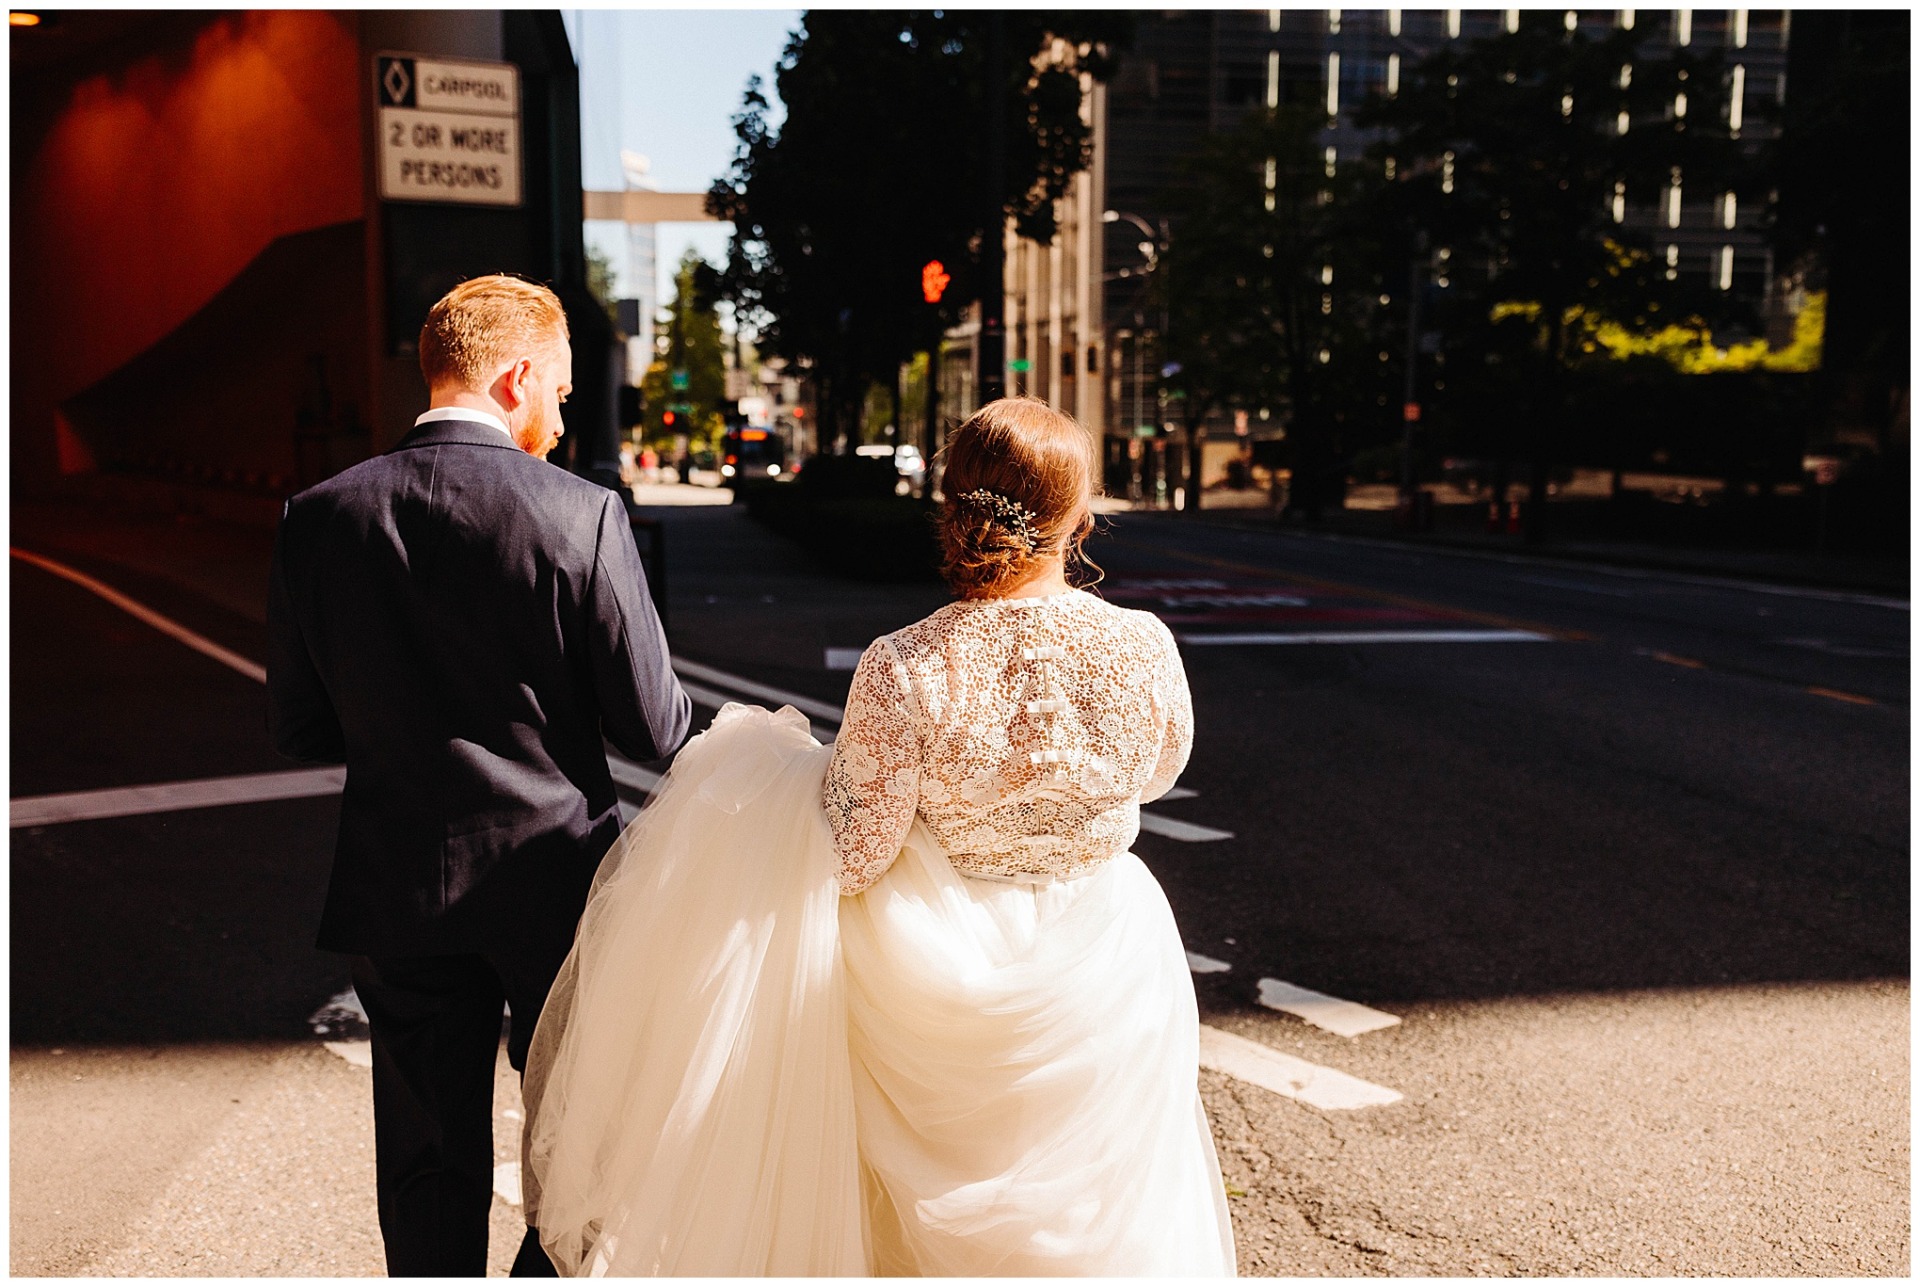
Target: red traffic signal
pixel 666 417
pixel 933 281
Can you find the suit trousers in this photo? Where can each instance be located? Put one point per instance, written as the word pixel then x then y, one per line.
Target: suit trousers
pixel 436 1024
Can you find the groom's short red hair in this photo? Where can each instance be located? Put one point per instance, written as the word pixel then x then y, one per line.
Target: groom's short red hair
pixel 484 322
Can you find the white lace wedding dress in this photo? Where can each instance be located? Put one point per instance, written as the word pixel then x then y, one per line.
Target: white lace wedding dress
pixel 941 1026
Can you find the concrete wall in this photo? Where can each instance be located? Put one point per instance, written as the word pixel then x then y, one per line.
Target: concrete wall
pixel 148 174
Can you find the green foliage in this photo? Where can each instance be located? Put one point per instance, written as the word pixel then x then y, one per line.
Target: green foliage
pixel 1269 290
pixel 695 346
pixel 881 166
pixel 600 283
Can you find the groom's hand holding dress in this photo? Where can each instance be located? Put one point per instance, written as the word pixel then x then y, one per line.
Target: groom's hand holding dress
pixel 460 623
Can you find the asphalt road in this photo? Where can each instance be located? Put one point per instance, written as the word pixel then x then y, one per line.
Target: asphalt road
pixel 1625 854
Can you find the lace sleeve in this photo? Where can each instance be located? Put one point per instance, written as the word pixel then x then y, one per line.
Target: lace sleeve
pixel 1174 704
pixel 873 784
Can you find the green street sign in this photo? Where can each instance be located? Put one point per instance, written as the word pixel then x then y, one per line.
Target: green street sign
pixel 680 380
pixel 1020 366
pixel 1143 431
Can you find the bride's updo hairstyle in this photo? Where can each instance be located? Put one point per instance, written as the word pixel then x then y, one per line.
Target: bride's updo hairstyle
pixel 1018 484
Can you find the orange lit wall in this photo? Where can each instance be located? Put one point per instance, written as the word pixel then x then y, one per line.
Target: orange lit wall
pixel 142 188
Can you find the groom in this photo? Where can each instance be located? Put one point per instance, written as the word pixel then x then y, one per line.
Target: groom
pixel 460 623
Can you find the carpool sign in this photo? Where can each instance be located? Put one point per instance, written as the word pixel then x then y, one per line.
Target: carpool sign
pixel 449 130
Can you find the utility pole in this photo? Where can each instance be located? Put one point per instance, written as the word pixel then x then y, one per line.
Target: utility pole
pixel 1410 403
pixel 991 344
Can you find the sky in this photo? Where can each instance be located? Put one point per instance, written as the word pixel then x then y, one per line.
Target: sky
pixel 667 83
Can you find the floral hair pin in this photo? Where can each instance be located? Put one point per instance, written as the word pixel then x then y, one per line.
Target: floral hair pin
pixel 1009 512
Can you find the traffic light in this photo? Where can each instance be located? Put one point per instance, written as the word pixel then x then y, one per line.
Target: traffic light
pixel 933 281
pixel 666 418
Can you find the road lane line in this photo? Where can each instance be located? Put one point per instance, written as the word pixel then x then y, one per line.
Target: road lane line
pixel 1341 587
pixel 168 797
pixel 1601 568
pixel 1342 1018
pixel 165 625
pixel 1267 1068
pixel 630 775
pixel 1671 660
pixel 1199 964
pixel 740 684
pixel 1177 793
pixel 1174 829
pixel 1370 637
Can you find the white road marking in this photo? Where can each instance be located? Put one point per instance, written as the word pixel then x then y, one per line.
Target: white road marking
pixel 1604 569
pixel 166 797
pixel 1199 964
pixel 165 625
pixel 1844 650
pixel 357 1053
pixel 1342 1018
pixel 1178 793
pixel 799 701
pixel 844 658
pixel 714 698
pixel 343 1011
pixel 1267 1068
pixel 506 1182
pixel 1556 583
pixel 1370 636
pixel 1174 829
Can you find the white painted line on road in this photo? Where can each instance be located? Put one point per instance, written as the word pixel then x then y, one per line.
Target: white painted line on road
pixel 1178 793
pixel 342 1011
pixel 165 625
pixel 844 658
pixel 1199 964
pixel 1267 1068
pixel 1174 829
pixel 506 1182
pixel 357 1053
pixel 1599 568
pixel 715 698
pixel 630 775
pixel 1342 1018
pixel 1845 650
pixel 1371 636
pixel 167 797
pixel 1555 583
pixel 739 684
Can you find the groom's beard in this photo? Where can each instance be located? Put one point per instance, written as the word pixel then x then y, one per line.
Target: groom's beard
pixel 540 433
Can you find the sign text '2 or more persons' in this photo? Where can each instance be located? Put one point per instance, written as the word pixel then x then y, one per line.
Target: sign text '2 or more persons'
pixel 449 131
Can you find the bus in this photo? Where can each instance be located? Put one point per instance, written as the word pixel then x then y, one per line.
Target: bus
pixel 747 452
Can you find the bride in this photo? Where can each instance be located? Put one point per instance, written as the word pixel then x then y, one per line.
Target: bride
pixel 905 1005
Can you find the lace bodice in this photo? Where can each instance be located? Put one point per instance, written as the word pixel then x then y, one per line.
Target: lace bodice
pixel 1026 733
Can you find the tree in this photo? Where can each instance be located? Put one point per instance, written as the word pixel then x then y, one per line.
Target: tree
pixel 1269 294
pixel 694 355
pixel 1844 208
pixel 879 168
pixel 1509 154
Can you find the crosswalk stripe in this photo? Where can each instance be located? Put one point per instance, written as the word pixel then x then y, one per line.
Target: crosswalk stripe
pixel 167 797
pixel 1174 829
pixel 753 688
pixel 1342 1018
pixel 1199 964
pixel 165 625
pixel 1368 637
pixel 1267 1068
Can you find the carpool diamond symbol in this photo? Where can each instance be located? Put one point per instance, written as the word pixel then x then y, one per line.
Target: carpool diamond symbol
pixel 399 84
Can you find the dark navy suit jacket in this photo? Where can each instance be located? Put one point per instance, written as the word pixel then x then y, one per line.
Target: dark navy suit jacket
pixel 460 623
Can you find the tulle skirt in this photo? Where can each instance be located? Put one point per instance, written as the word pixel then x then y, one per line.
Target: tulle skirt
pixel 739 1072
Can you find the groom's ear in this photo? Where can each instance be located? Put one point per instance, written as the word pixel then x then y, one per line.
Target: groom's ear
pixel 510 390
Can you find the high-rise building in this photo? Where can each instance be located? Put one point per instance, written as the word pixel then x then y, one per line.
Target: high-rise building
pixel 1194 72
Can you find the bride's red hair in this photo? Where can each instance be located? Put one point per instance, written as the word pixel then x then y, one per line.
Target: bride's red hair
pixel 1035 457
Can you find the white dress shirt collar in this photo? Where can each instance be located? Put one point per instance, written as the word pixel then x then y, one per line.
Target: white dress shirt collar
pixel 464 413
